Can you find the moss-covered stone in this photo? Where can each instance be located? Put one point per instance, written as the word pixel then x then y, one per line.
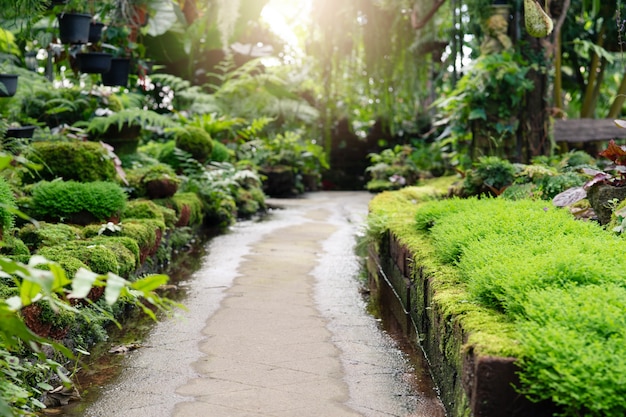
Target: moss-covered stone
pixel 48 234
pixel 98 258
pixel 188 207
pixel 195 141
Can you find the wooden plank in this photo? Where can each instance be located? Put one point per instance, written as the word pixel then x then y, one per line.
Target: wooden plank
pixel 586 130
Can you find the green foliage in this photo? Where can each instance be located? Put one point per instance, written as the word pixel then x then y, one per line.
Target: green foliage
pixel 7 204
pixel 196 141
pixel 487 99
pixel 489 175
pixel 69 199
pixel 392 169
pixel 72 161
pixel 553 185
pixel 132 116
pixel 220 152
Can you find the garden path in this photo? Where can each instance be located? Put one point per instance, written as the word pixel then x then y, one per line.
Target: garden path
pixel 275 326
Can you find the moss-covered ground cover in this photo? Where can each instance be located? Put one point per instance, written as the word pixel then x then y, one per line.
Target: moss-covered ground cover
pixel 527 280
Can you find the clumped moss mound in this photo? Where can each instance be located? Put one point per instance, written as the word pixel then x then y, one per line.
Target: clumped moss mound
pixel 526 280
pixel 76 202
pixel 72 160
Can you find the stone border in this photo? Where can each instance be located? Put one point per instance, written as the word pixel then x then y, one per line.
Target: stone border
pixel 469 385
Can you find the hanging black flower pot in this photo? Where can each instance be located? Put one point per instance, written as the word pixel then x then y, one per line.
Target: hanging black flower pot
pixel 20 132
pixel 9 81
pixel 94 62
pixel 95 31
pixel 74 27
pixel 118 74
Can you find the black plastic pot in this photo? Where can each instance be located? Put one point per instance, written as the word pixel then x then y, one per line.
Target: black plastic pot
pixel 10 85
pixel 94 62
pixel 95 31
pixel 74 27
pixel 21 132
pixel 118 74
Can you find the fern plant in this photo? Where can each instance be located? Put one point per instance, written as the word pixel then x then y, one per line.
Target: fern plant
pixel 145 119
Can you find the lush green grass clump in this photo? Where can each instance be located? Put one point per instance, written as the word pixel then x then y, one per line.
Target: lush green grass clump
pixel 70 201
pixel 560 281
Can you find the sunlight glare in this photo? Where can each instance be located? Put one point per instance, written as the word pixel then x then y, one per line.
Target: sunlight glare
pixel 284 18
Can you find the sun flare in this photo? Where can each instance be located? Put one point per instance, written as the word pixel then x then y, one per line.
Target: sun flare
pixel 285 17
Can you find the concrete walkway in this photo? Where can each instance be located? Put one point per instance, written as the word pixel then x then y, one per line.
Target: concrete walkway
pixel 275 327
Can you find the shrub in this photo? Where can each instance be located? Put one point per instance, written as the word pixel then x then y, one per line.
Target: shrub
pixel 71 201
pixel 490 175
pixel 220 152
pixel 553 185
pixel 195 141
pixel 75 160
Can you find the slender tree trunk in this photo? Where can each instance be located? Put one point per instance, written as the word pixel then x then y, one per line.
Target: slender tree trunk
pixel 618 102
pixel 593 80
pixel 534 120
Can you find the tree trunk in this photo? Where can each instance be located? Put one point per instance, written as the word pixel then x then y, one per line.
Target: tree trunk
pixel 534 120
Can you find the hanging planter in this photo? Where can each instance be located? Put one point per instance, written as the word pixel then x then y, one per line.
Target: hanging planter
pixel 20 132
pixel 95 31
pixel 118 74
pixel 94 62
pixel 74 27
pixel 9 81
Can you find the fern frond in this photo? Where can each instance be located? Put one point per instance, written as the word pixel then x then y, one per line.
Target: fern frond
pixel 177 84
pixel 130 117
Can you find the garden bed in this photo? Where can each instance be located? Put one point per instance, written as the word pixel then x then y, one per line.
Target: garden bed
pixel 511 301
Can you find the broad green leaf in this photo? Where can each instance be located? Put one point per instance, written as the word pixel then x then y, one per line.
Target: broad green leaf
pixel 28 292
pixel 149 283
pixel 5 160
pixel 82 283
pixel 477 114
pixel 115 285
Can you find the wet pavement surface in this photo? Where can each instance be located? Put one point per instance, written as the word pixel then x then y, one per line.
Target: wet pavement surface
pixel 275 326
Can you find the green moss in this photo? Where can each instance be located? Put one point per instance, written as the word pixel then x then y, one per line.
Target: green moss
pixel 142 209
pixel 489 332
pixel 179 201
pixel 169 216
pixel 48 234
pixel 71 160
pixel 140 179
pixel 126 252
pixel 13 246
pixel 97 258
pixel 220 152
pixel 196 141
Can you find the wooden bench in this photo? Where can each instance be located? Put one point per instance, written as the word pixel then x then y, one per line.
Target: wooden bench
pixel 585 134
